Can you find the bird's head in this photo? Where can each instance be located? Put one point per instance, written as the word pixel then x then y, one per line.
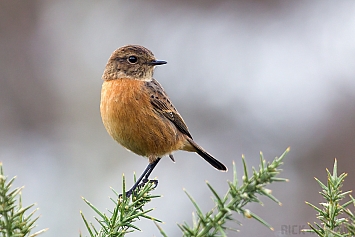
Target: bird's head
pixel 131 61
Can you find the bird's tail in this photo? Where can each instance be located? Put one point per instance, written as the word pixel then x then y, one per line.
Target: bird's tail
pixel 210 159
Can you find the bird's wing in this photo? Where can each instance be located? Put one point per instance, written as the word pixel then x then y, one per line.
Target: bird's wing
pixel 161 103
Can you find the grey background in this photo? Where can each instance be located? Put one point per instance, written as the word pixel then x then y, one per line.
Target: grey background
pixel 247 76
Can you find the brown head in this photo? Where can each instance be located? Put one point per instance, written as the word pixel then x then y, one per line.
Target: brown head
pixel 131 61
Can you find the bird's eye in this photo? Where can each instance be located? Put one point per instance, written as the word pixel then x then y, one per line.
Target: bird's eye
pixel 132 59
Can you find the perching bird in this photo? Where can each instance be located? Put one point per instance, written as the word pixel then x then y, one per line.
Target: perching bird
pixel 139 115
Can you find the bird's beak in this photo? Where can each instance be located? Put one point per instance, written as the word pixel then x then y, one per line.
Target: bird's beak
pixel 157 62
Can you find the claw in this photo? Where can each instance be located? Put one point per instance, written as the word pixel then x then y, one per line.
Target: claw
pixel 144 181
pixel 139 186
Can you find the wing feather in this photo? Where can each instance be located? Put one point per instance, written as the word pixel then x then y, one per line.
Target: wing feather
pixel 161 103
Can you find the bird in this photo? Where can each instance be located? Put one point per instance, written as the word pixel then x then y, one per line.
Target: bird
pixel 138 114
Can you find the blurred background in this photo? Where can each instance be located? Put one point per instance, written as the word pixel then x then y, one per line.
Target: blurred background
pixel 247 76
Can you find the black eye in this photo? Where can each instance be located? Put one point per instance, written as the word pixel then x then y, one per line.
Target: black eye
pixel 132 59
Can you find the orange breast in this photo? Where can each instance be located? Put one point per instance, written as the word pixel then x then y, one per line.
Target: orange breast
pixel 131 120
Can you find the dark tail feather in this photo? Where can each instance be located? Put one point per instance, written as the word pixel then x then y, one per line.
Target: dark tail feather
pixel 210 159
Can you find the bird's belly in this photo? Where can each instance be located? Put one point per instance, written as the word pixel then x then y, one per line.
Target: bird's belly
pixel 131 120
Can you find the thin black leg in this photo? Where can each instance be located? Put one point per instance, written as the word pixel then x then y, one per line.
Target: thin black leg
pixel 129 192
pixel 145 175
pixel 151 170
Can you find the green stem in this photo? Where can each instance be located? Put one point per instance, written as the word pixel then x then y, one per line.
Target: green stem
pixel 5 207
pixel 216 219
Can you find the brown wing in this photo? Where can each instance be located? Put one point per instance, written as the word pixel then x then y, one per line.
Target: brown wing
pixel 161 103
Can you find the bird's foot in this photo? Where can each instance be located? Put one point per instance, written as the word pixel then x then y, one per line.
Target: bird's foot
pixel 139 186
pixel 144 181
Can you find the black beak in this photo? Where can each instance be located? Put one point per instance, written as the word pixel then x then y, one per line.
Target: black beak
pixel 157 62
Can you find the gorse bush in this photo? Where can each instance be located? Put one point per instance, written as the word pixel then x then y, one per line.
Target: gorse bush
pixel 336 219
pixel 15 221
pixel 335 215
pixel 127 211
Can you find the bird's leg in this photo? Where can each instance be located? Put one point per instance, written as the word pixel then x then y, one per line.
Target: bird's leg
pixel 145 175
pixel 145 180
pixel 129 192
